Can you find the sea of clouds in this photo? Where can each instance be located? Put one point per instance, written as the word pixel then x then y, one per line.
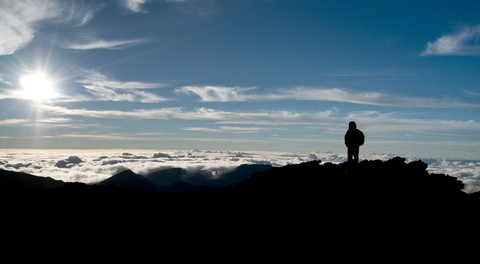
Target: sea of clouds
pixel 92 166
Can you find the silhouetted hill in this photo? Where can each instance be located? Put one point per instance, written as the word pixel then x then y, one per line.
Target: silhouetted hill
pixel 178 187
pixel 371 193
pixel 183 187
pixel 240 173
pixel 129 179
pixel 11 180
pixel 375 208
pixel 167 176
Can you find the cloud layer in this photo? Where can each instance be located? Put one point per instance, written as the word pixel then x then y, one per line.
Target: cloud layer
pixel 91 166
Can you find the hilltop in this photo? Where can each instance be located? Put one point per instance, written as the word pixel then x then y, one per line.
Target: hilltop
pixel 374 191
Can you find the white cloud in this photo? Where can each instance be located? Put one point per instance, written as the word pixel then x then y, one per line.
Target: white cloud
pixel 238 129
pixel 376 122
pixel 77 12
pixel 54 120
pixel 104 88
pixel 218 93
pixel 179 113
pixel 393 124
pixel 465 41
pixel 134 5
pixel 104 44
pixel 162 113
pixel 38 122
pixel 91 166
pixel 19 20
pixel 2 80
pixel 98 79
pixel 240 94
pixel 10 122
pixel 202 129
pixel 98 136
pixel 234 129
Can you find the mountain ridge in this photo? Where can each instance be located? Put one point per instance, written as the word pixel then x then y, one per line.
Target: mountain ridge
pixel 373 187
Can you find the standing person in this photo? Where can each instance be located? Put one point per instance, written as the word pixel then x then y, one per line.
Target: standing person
pixel 354 138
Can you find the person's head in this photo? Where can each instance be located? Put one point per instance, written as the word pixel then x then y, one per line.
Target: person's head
pixel 352 125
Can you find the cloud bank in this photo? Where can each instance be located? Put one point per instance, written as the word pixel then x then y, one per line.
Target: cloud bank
pixel 91 166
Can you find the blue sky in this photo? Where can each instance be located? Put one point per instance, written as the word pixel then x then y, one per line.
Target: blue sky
pixel 241 75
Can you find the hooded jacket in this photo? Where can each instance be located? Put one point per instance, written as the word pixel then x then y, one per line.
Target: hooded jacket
pixel 354 137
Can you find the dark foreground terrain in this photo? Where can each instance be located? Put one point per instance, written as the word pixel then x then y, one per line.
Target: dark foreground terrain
pixel 329 203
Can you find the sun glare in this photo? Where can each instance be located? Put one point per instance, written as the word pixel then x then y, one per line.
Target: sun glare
pixel 37 87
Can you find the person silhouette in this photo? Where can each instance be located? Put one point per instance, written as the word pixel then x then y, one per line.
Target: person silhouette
pixel 354 138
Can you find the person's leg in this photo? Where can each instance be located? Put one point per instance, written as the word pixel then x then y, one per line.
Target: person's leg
pixel 355 152
pixel 349 155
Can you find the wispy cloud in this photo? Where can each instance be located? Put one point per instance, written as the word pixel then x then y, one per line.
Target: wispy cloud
pixel 104 44
pixel 241 129
pixel 341 95
pixel 202 129
pixel 218 93
pixel 395 125
pixel 466 41
pixel 233 129
pixel 367 98
pixel 377 123
pixel 78 13
pixel 179 113
pixel 98 79
pixel 104 88
pixel 134 5
pixel 12 122
pixel 43 122
pixel 19 20
pixel 99 136
pixel 2 80
pixel 472 93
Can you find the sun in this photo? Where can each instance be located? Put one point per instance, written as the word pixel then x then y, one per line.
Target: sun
pixel 37 87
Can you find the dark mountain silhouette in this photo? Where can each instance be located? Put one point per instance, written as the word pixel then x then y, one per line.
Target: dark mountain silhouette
pixel 167 176
pixel 11 180
pixel 311 210
pixel 240 173
pixel 373 195
pixel 184 187
pixel 371 188
pixel 129 179
pixel 203 180
pixel 178 187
